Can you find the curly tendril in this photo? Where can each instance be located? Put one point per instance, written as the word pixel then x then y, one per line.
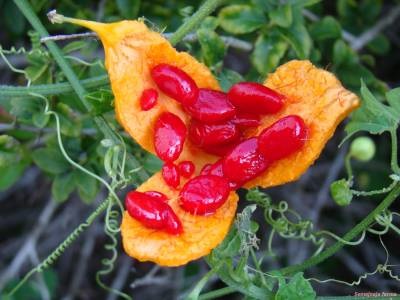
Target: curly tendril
pixel 111 227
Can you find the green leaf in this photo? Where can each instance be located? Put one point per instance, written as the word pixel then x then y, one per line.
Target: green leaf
pixel 379 45
pixel 298 36
pixel 128 9
pixel 240 19
pixel 26 108
pixel 228 77
pixel 352 73
pixel 327 28
pixel 341 193
pixel 74 46
pixel 62 186
pixel 393 98
pixel 212 46
pixel 297 288
pixel 373 116
pixel 282 16
pixel 40 119
pixel 50 160
pixel 210 23
pixel 343 54
pixel 87 186
pixel 11 173
pixel 268 52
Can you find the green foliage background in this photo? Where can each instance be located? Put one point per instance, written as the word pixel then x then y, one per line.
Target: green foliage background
pixel 240 40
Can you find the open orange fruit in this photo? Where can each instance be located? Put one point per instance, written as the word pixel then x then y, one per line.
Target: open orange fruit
pixel 132 51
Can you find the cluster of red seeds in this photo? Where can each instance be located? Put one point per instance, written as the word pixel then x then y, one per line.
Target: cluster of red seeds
pixel 217 123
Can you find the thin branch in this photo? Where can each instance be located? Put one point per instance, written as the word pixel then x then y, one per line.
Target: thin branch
pixel 191 37
pixel 371 33
pixel 62 37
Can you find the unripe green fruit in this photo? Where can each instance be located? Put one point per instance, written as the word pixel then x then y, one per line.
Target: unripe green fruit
pixel 362 148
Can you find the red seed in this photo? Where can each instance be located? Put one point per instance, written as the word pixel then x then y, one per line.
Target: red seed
pixel 204 194
pixel 175 83
pixel 152 213
pixel 212 134
pixel 283 138
pixel 169 136
pixel 148 99
pixel 216 169
pixel 186 168
pixel 221 150
pixel 255 98
pixel 157 196
pixel 211 107
pixel 170 173
pixel 244 162
pixel 244 120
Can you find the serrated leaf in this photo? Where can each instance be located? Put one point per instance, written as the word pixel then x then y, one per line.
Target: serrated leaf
pixel 282 16
pixel 326 28
pixel 87 186
pixel 239 19
pixel 212 46
pixel 297 288
pixel 393 98
pixel 50 160
pixel 228 77
pixel 373 116
pixel 268 52
pixel 62 186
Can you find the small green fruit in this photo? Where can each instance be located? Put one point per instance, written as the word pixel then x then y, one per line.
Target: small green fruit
pixel 341 193
pixel 363 148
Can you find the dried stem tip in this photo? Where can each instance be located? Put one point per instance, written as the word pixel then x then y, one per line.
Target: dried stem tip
pixel 54 17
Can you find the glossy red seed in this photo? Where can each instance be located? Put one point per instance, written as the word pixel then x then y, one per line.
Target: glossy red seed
pixel 204 194
pixel 212 134
pixel 175 83
pixel 245 120
pixel 244 162
pixel 186 168
pixel 157 196
pixel 255 98
pixel 170 173
pixel 152 213
pixel 148 99
pixel 283 138
pixel 216 169
pixel 221 150
pixel 211 107
pixel 169 136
